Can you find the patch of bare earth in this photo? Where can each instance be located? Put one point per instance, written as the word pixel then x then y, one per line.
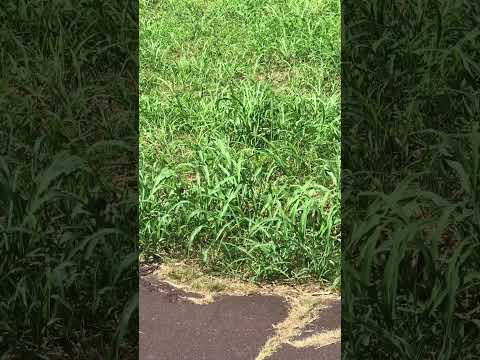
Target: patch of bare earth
pixel 279 78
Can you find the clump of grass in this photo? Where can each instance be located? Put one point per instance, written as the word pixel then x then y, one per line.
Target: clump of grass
pixel 240 129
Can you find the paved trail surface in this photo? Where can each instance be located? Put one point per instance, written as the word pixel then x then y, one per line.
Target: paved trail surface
pixel 172 327
pixel 329 352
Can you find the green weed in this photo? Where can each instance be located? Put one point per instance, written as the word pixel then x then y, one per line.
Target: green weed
pixel 410 157
pixel 68 234
pixel 240 136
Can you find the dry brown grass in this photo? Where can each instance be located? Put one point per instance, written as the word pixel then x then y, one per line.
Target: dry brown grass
pixel 189 277
pixel 302 312
pixel 319 340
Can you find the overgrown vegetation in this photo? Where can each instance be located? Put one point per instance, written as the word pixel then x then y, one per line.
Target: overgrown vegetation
pixel 68 201
pixel 411 171
pixel 240 135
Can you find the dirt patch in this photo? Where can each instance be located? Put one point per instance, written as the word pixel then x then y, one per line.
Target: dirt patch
pixel 276 77
pixel 167 291
pixel 190 277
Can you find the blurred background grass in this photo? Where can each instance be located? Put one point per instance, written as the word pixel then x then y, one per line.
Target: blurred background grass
pixel 68 180
pixel 410 172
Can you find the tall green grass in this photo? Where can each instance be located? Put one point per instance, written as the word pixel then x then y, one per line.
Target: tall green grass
pixel 68 214
pixel 411 171
pixel 240 136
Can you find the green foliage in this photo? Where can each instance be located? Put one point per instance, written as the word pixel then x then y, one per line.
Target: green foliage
pixel 68 264
pixel 240 136
pixel 410 174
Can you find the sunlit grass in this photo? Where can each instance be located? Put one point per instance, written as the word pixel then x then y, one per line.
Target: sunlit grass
pixel 240 135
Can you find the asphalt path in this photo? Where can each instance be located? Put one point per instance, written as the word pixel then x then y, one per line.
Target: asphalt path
pixel 172 327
